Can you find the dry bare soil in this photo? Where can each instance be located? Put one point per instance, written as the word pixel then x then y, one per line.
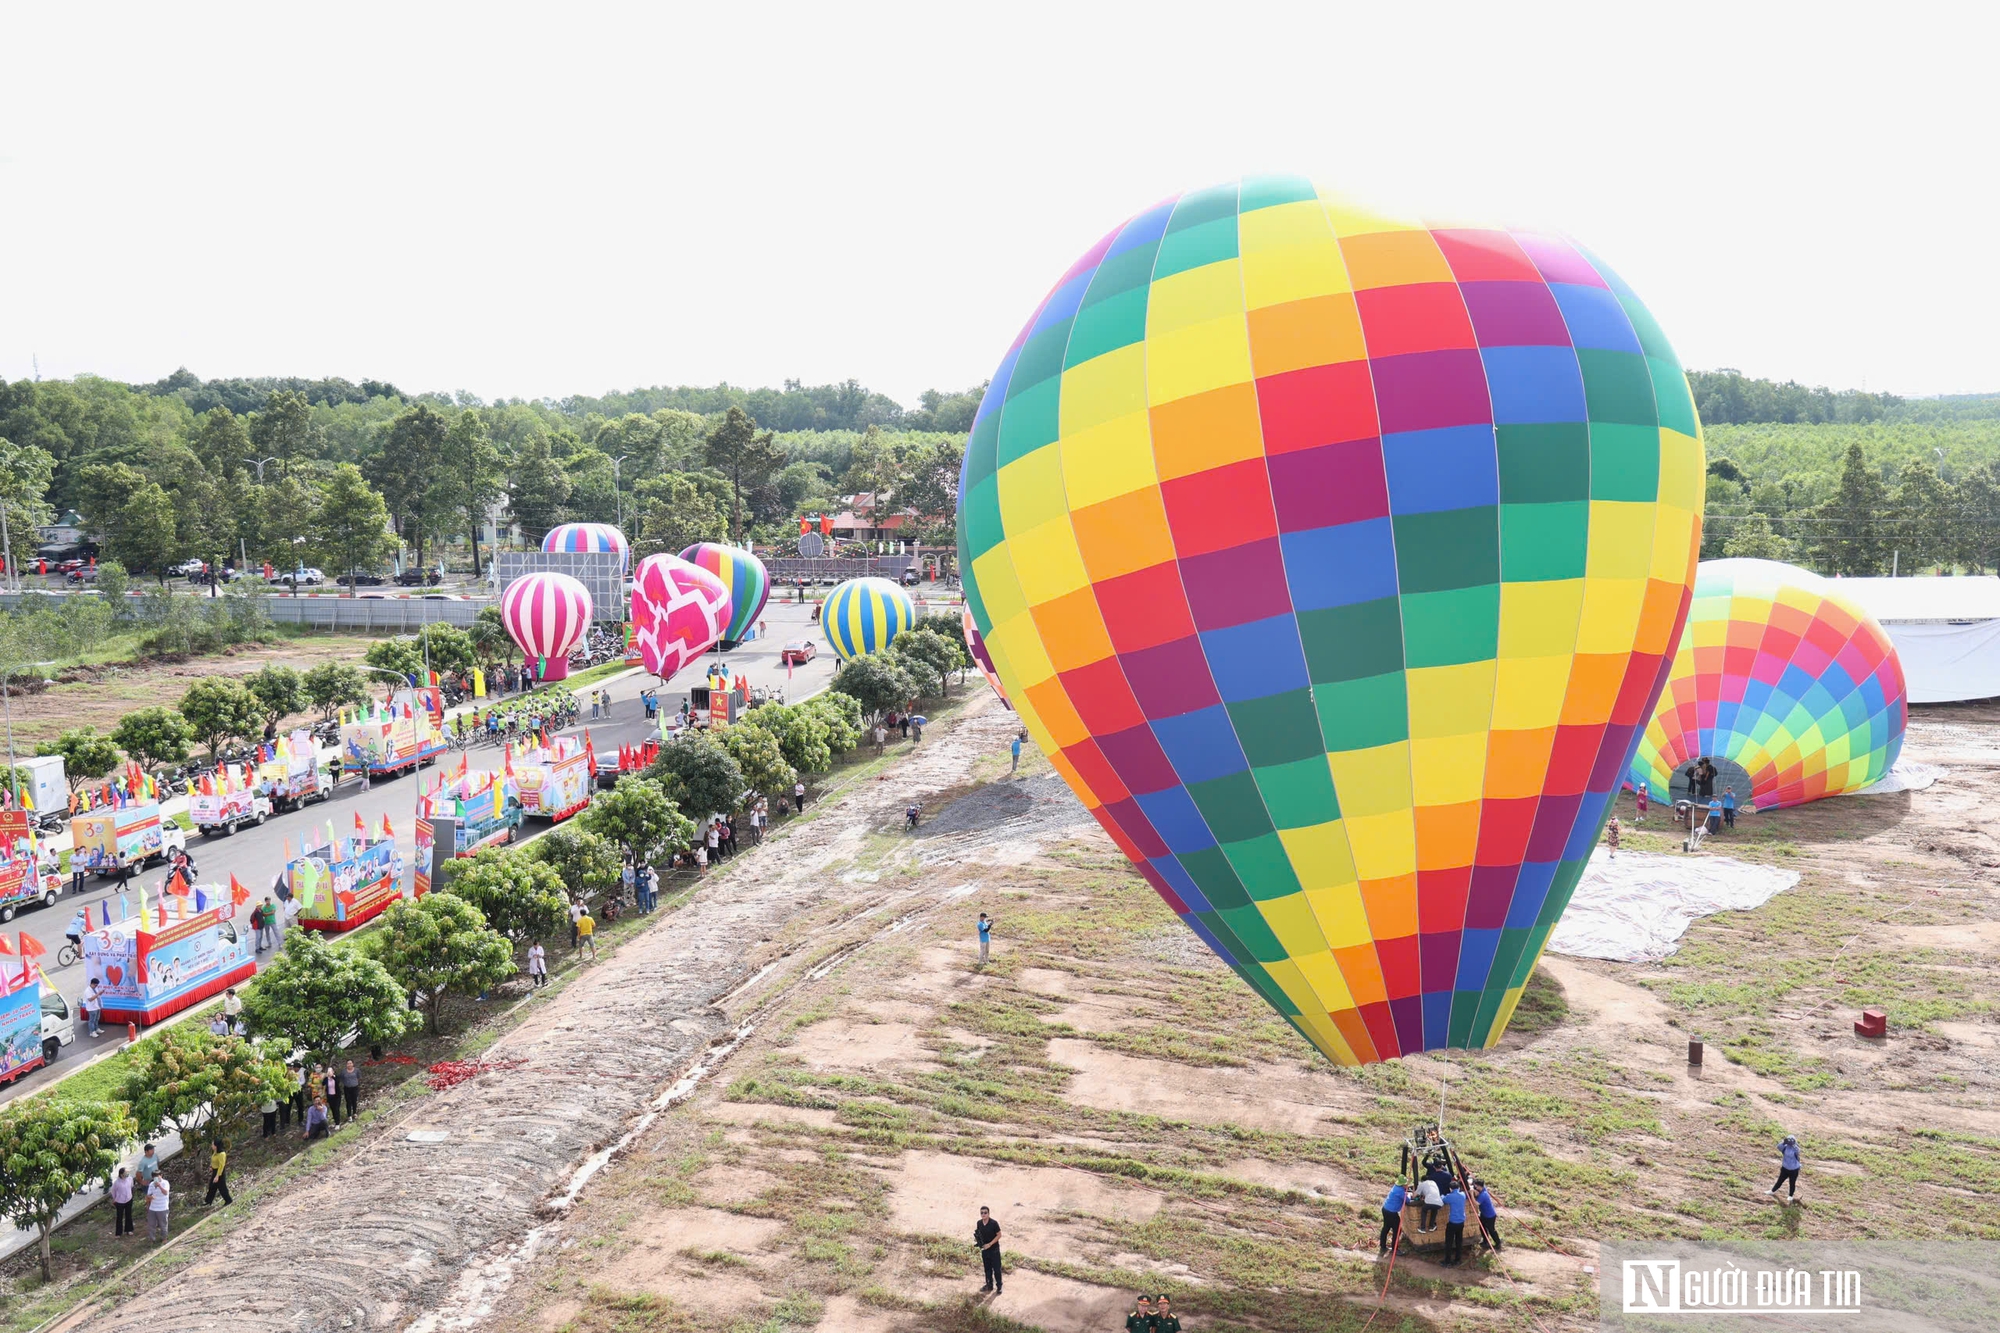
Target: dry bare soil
pixel 1133 1115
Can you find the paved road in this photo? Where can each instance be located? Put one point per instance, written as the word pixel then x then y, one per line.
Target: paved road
pixel 256 856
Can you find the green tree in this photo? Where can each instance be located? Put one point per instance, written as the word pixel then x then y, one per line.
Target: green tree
pixel 331 686
pixel 584 862
pixel 840 714
pixel 736 449
pixel 927 656
pixel 440 945
pixel 205 514
pixel 285 430
pixel 637 816
pixel 103 490
pixel 1976 502
pixel 799 732
pixel 759 758
pixel 49 1150
pixel 315 994
pixel 490 641
pixel 222 442
pixel 537 487
pixel 445 647
pixel 184 1075
pixel 1849 540
pixel 412 473
pixel 25 474
pixel 950 627
pixel 876 682
pixel 148 539
pixel 85 754
pixel 155 736
pixel 477 481
pixel 280 690
pixel 220 709
pixel 521 897
pixel 674 514
pixel 289 522
pixel 1924 524
pixel 113 582
pixel 698 775
pixel 1754 539
pixel 350 525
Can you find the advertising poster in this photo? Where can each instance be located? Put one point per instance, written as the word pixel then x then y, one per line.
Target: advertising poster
pixel 21 1029
pixel 341 886
pixel 146 975
pixel 109 839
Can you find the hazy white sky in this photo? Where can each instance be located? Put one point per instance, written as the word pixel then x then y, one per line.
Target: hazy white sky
pixel 570 198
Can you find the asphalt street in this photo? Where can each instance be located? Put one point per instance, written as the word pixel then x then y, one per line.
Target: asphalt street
pixel 256 855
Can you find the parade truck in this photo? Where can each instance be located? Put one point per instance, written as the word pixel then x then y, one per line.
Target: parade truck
pixel 483 810
pixel 399 736
pixel 166 959
pixel 291 774
pixel 225 799
pixel 35 1024
pixel 345 882
pixel 121 839
pixel 28 868
pixel 554 781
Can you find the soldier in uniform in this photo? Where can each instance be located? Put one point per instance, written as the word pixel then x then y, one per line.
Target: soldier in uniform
pixel 1166 1321
pixel 1142 1319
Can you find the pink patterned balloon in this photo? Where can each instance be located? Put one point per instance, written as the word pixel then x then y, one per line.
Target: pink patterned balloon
pixel 547 614
pixel 679 611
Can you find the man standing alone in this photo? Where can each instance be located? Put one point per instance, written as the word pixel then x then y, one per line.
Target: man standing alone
pixel 986 1236
pixel 985 935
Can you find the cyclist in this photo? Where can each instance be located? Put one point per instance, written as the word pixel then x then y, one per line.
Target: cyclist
pixel 910 816
pixel 74 934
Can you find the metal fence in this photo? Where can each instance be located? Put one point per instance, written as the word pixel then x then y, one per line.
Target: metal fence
pixel 601 573
pixel 393 615
pixel 836 568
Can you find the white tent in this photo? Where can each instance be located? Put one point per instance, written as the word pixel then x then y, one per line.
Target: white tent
pixel 1946 631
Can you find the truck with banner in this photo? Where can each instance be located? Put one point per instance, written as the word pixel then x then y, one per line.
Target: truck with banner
pixel 554 780
pixel 35 1024
pixel 345 882
pixel 121 839
pixel 28 867
pixel 290 772
pixel 167 958
pixel 225 799
pixel 402 735
pixel 484 809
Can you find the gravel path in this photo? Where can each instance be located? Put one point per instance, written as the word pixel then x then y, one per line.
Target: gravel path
pixel 378 1239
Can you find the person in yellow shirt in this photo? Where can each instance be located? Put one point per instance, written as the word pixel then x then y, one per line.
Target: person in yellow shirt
pixel 218 1173
pixel 586 934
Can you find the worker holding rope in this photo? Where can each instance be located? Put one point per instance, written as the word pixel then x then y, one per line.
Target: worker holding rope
pixel 1392 1219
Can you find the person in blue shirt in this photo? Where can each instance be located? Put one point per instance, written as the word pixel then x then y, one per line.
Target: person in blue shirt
pixel 1788 1167
pixel 1392 1218
pixel 1454 1226
pixel 985 935
pixel 1016 747
pixel 1489 1213
pixel 1714 814
pixel 1729 807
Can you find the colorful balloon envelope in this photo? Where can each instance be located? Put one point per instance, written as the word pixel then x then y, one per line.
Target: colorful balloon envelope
pixel 748 582
pixel 547 614
pixel 981 658
pixel 861 616
pixel 1781 674
pixel 589 537
pixel 679 611
pixel 1335 561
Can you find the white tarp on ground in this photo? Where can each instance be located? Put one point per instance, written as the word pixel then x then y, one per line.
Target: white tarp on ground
pixel 1904 775
pixel 1635 908
pixel 1946 631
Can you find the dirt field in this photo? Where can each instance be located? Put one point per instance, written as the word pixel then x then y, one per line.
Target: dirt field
pixel 852 1085
pixel 98 696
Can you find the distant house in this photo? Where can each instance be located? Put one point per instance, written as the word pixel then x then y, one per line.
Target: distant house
pixel 869 517
pixel 65 531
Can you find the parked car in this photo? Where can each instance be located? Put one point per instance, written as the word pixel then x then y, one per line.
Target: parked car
pixel 360 580
pixel 911 578
pixel 412 578
pixel 304 578
pixel 189 568
pixel 71 565
pixel 798 652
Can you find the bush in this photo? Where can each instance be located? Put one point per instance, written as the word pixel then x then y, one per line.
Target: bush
pixel 841 715
pixel 697 775
pixel 637 816
pixel 521 897
pixel 440 945
pixel 156 736
pixel 876 682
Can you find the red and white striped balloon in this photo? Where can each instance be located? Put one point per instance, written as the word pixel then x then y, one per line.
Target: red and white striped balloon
pixel 679 611
pixel 547 614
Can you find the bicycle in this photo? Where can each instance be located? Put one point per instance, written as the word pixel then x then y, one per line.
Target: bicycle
pixel 69 954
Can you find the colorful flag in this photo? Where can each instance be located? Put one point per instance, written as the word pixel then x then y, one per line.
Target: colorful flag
pixel 200 901
pixel 359 826
pixel 30 946
pixel 387 832
pixel 177 884
pixel 5 947
pixel 237 893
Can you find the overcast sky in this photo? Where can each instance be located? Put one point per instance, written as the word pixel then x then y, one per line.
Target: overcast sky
pixel 569 198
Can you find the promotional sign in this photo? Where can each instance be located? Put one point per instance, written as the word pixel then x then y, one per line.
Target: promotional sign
pixel 144 975
pixel 554 783
pixel 211 809
pixel 345 883
pixel 109 840
pixel 485 808
pixel 20 1031
pixel 388 738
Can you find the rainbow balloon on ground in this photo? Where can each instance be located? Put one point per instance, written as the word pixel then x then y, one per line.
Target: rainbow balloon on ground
pixel 981 658
pixel 547 614
pixel 589 537
pixel 861 616
pixel 1336 562
pixel 1781 674
pixel 678 612
pixel 748 582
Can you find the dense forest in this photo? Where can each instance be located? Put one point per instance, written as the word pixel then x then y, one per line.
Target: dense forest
pixel 316 470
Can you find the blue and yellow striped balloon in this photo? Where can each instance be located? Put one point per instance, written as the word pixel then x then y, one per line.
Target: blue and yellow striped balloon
pixel 863 615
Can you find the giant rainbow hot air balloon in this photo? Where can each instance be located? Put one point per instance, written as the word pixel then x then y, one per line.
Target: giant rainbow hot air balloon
pixel 1335 561
pixel 589 537
pixel 547 614
pixel 1781 674
pixel 748 582
pixel 862 615
pixel 679 611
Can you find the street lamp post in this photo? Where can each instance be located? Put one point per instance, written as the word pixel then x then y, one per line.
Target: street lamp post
pixel 617 493
pixel 258 463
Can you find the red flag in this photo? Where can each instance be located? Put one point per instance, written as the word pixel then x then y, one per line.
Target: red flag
pixel 237 893
pixel 359 827
pixel 5 947
pixel 30 946
pixel 177 883
pixel 163 914
pixel 387 832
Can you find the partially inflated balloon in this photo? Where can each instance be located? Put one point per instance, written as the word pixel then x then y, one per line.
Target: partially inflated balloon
pixel 981 658
pixel 748 583
pixel 1335 562
pixel 600 538
pixel 1780 673
pixel 546 614
pixel 678 612
pixel 862 615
